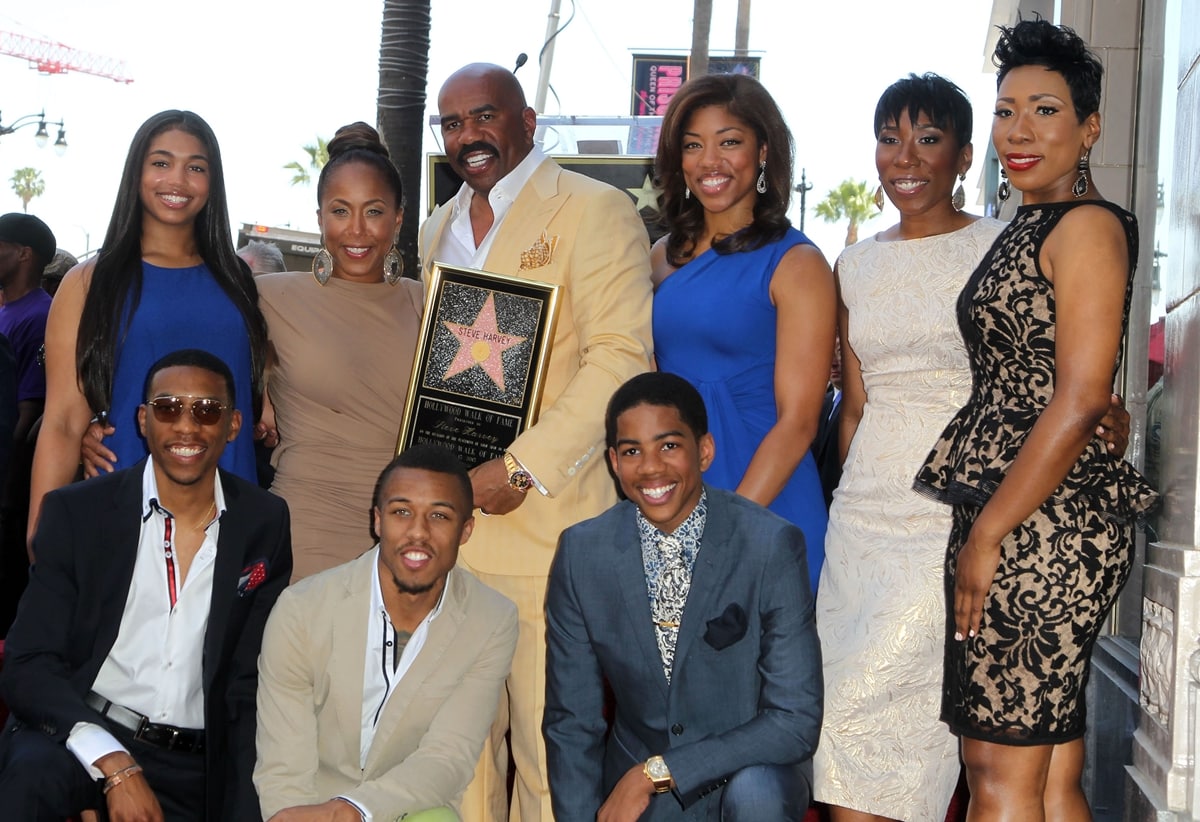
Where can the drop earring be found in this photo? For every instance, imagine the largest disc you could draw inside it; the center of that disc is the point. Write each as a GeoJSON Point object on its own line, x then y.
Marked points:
{"type": "Point", "coordinates": [879, 197]}
{"type": "Point", "coordinates": [1080, 186]}
{"type": "Point", "coordinates": [959, 199]}
{"type": "Point", "coordinates": [393, 266]}
{"type": "Point", "coordinates": [687, 193]}
{"type": "Point", "coordinates": [761, 185]}
{"type": "Point", "coordinates": [322, 266]}
{"type": "Point", "coordinates": [1004, 189]}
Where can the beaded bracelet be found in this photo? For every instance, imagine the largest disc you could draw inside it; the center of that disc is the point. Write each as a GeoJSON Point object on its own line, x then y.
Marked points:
{"type": "Point", "coordinates": [120, 776]}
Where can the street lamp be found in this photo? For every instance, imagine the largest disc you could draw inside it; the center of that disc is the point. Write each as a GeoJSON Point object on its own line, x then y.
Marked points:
{"type": "Point", "coordinates": [42, 136]}
{"type": "Point", "coordinates": [804, 186]}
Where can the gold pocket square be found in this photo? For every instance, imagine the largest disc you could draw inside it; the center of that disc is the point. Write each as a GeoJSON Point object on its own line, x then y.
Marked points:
{"type": "Point", "coordinates": [540, 253]}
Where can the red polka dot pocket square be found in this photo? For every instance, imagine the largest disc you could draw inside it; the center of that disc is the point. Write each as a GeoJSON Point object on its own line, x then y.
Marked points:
{"type": "Point", "coordinates": [253, 575]}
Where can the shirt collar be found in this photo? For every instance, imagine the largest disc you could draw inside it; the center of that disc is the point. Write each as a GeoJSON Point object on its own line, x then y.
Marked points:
{"type": "Point", "coordinates": [150, 502]}
{"type": "Point", "coordinates": [692, 526]}
{"type": "Point", "coordinates": [377, 591]}
{"type": "Point", "coordinates": [505, 191]}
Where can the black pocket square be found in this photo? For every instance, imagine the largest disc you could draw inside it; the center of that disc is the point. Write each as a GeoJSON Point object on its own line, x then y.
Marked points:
{"type": "Point", "coordinates": [726, 629]}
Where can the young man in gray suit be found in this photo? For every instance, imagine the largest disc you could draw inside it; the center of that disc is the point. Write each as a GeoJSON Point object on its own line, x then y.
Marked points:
{"type": "Point", "coordinates": [693, 603]}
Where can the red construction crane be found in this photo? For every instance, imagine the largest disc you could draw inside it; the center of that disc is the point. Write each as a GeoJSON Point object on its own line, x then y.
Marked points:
{"type": "Point", "coordinates": [55, 58]}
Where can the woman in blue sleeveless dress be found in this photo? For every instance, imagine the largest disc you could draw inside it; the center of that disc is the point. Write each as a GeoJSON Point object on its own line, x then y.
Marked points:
{"type": "Point", "coordinates": [745, 306]}
{"type": "Point", "coordinates": [167, 278]}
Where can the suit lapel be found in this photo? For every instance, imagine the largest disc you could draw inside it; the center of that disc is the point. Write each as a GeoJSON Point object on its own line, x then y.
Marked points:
{"type": "Point", "coordinates": [528, 217]}
{"type": "Point", "coordinates": [708, 575]}
{"type": "Point", "coordinates": [227, 567]}
{"type": "Point", "coordinates": [347, 656]}
{"type": "Point", "coordinates": [437, 642]}
{"type": "Point", "coordinates": [435, 231]}
{"type": "Point", "coordinates": [630, 577]}
{"type": "Point", "coordinates": [121, 533]}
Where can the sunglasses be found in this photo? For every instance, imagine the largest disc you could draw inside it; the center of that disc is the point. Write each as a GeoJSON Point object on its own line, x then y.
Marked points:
{"type": "Point", "coordinates": [204, 411]}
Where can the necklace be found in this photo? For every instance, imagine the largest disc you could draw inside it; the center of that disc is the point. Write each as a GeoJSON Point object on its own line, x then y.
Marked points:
{"type": "Point", "coordinates": [207, 519]}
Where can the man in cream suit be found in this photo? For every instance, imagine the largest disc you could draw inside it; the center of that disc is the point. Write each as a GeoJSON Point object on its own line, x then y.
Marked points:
{"type": "Point", "coordinates": [379, 678]}
{"type": "Point", "coordinates": [520, 214]}
{"type": "Point", "coordinates": [693, 604]}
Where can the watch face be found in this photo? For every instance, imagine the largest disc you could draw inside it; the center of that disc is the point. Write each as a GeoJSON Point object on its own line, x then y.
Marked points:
{"type": "Point", "coordinates": [657, 769]}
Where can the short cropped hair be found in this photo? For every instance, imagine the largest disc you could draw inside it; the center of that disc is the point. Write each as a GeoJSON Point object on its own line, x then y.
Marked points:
{"type": "Point", "coordinates": [192, 358]}
{"type": "Point", "coordinates": [1056, 48]}
{"type": "Point", "coordinates": [427, 457]}
{"type": "Point", "coordinates": [661, 389]}
{"type": "Point", "coordinates": [945, 104]}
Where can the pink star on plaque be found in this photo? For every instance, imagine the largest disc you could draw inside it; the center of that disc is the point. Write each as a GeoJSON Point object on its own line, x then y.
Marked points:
{"type": "Point", "coordinates": [481, 344]}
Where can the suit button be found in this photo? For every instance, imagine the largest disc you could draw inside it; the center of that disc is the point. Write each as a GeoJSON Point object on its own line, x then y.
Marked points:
{"type": "Point", "coordinates": [677, 729]}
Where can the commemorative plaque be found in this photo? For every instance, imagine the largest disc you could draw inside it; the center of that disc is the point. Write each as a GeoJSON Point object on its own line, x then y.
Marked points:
{"type": "Point", "coordinates": [481, 361]}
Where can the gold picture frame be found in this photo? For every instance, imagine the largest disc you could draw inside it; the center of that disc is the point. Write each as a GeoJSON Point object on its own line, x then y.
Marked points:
{"type": "Point", "coordinates": [481, 360]}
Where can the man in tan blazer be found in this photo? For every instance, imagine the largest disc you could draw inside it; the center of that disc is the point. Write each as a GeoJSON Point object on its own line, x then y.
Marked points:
{"type": "Point", "coordinates": [521, 214]}
{"type": "Point", "coordinates": [379, 678]}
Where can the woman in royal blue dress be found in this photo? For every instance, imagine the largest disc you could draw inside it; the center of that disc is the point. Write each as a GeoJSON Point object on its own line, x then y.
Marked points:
{"type": "Point", "coordinates": [166, 278]}
{"type": "Point", "coordinates": [745, 305]}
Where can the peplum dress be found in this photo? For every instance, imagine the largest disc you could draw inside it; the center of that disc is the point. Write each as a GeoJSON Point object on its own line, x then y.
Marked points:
{"type": "Point", "coordinates": [714, 325]}
{"type": "Point", "coordinates": [1021, 679]}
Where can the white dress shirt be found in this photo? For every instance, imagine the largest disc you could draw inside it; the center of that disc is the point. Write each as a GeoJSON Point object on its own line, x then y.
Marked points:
{"type": "Point", "coordinates": [457, 246]}
{"type": "Point", "coordinates": [155, 666]}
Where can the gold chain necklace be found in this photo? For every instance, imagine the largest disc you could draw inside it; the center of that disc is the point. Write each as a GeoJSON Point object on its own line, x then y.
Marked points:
{"type": "Point", "coordinates": [207, 519]}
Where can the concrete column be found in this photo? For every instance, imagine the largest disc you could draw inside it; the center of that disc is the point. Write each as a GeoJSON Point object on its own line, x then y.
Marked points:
{"type": "Point", "coordinates": [1163, 782]}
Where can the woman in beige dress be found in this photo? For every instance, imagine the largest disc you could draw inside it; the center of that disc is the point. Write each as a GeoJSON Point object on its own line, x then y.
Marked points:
{"type": "Point", "coordinates": [342, 339]}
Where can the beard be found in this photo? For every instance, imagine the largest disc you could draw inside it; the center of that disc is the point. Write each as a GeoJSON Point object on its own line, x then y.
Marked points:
{"type": "Point", "coordinates": [405, 588]}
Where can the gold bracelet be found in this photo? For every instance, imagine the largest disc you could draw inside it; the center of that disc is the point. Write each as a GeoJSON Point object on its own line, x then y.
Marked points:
{"type": "Point", "coordinates": [117, 777]}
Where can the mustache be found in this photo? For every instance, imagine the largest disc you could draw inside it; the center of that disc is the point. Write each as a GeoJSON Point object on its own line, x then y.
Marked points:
{"type": "Point", "coordinates": [473, 147]}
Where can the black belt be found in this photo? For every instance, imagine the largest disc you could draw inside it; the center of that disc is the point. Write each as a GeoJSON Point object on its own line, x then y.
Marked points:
{"type": "Point", "coordinates": [185, 740]}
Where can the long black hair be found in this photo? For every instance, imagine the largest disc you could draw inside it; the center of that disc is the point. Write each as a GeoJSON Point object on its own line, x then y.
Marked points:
{"type": "Point", "coordinates": [117, 277]}
{"type": "Point", "coordinates": [746, 99]}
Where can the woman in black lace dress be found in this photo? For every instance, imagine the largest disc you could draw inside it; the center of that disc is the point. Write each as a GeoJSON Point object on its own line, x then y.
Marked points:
{"type": "Point", "coordinates": [1042, 530]}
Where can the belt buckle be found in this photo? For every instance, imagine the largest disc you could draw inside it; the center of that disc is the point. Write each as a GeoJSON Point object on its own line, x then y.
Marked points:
{"type": "Point", "coordinates": [143, 725]}
{"type": "Point", "coordinates": [173, 740]}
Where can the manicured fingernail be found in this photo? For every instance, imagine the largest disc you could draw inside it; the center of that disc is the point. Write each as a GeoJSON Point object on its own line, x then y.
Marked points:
{"type": "Point", "coordinates": [971, 632]}
{"type": "Point", "coordinates": [958, 636]}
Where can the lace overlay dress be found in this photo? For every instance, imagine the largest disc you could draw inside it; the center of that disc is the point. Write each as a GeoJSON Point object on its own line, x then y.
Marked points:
{"type": "Point", "coordinates": [880, 605]}
{"type": "Point", "coordinates": [1021, 679]}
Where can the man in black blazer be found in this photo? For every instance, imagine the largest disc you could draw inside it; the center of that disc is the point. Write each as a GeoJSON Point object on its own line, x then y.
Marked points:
{"type": "Point", "coordinates": [694, 604]}
{"type": "Point", "coordinates": [131, 669]}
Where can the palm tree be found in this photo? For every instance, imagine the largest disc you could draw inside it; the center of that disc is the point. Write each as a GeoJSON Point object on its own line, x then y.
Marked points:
{"type": "Point", "coordinates": [852, 200]}
{"type": "Point", "coordinates": [701, 27]}
{"type": "Point", "coordinates": [28, 183]}
{"type": "Point", "coordinates": [403, 70]}
{"type": "Point", "coordinates": [318, 156]}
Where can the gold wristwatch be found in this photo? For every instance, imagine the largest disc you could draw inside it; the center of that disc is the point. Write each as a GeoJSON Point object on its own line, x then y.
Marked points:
{"type": "Point", "coordinates": [518, 478]}
{"type": "Point", "coordinates": [658, 773]}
